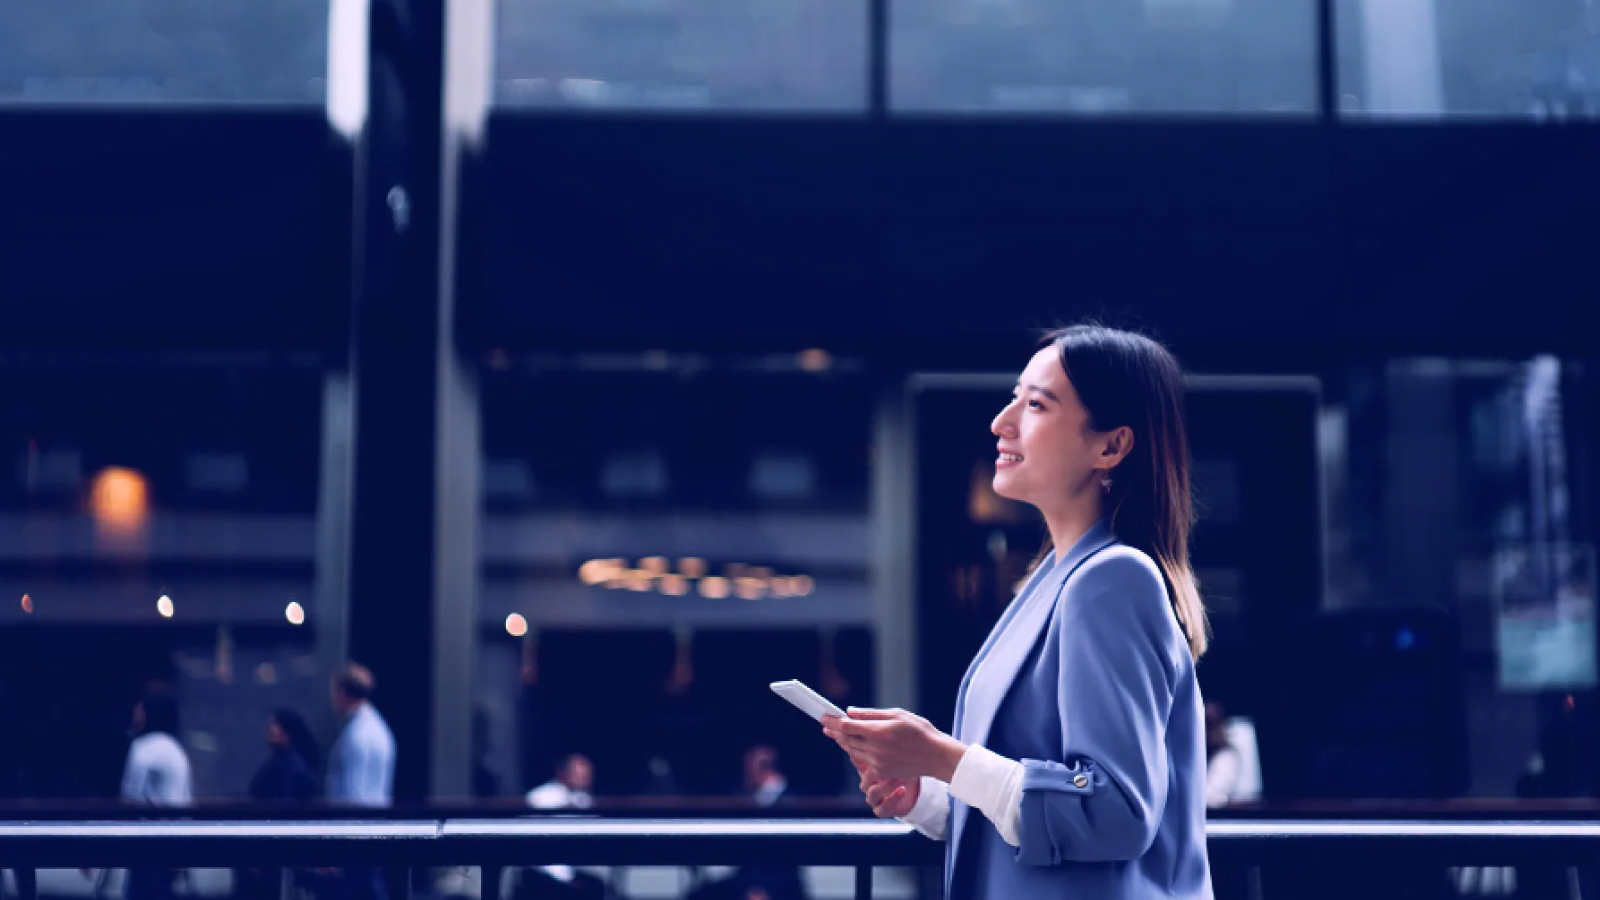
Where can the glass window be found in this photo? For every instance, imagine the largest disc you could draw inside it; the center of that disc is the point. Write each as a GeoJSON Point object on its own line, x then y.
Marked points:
{"type": "Point", "coordinates": [663, 537]}
{"type": "Point", "coordinates": [164, 50]}
{"type": "Point", "coordinates": [682, 54]}
{"type": "Point", "coordinates": [1117, 56]}
{"type": "Point", "coordinates": [1460, 530]}
{"type": "Point", "coordinates": [1470, 57]}
{"type": "Point", "coordinates": [1430, 631]}
{"type": "Point", "coordinates": [1254, 545]}
{"type": "Point", "coordinates": [157, 537]}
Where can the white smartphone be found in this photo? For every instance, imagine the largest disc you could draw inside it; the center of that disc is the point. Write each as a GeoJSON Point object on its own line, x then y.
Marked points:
{"type": "Point", "coordinates": [806, 700]}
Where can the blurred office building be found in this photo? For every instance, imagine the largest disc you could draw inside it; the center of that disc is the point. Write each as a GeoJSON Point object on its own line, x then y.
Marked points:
{"type": "Point", "coordinates": [581, 368]}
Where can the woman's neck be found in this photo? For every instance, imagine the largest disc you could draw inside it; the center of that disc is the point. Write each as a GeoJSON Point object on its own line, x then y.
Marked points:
{"type": "Point", "coordinates": [1071, 522]}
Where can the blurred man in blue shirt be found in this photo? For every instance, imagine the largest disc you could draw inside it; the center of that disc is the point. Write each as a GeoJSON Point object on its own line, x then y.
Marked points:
{"type": "Point", "coordinates": [360, 771]}
{"type": "Point", "coordinates": [361, 764]}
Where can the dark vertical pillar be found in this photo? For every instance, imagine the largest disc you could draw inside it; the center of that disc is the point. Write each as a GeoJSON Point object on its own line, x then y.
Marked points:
{"type": "Point", "coordinates": [1421, 502]}
{"type": "Point", "coordinates": [1327, 61]}
{"type": "Point", "coordinates": [329, 613]}
{"type": "Point", "coordinates": [414, 476]}
{"type": "Point", "coordinates": [878, 59]}
{"type": "Point", "coordinates": [894, 552]}
{"type": "Point", "coordinates": [468, 87]}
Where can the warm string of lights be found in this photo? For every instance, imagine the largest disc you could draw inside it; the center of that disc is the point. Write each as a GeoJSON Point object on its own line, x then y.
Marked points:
{"type": "Point", "coordinates": [657, 574]}
{"type": "Point", "coordinates": [294, 612]}
{"type": "Point", "coordinates": [653, 573]}
{"type": "Point", "coordinates": [691, 575]}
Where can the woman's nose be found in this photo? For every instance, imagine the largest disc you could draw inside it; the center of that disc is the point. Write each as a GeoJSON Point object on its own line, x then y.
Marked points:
{"type": "Point", "coordinates": [1001, 426]}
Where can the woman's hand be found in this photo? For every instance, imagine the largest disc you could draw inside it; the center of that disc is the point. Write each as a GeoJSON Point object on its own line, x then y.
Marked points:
{"type": "Point", "coordinates": [890, 798]}
{"type": "Point", "coordinates": [894, 744]}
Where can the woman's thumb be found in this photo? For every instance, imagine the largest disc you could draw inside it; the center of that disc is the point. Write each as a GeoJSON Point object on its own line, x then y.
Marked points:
{"type": "Point", "coordinates": [857, 712]}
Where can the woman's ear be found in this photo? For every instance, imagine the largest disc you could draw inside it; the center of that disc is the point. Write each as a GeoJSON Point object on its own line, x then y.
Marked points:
{"type": "Point", "coordinates": [1118, 444]}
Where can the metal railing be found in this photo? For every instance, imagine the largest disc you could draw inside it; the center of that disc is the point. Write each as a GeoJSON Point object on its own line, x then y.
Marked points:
{"type": "Point", "coordinates": [863, 844]}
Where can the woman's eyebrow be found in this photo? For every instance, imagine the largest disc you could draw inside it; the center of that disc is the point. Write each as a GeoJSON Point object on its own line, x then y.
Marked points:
{"type": "Point", "coordinates": [1044, 391]}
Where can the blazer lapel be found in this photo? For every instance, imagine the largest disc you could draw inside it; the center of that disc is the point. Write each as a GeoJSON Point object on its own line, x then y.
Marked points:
{"type": "Point", "coordinates": [1027, 624]}
{"type": "Point", "coordinates": [1042, 572]}
{"type": "Point", "coordinates": [972, 726]}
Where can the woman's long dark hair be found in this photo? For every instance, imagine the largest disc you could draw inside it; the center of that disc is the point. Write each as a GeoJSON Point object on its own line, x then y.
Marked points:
{"type": "Point", "coordinates": [301, 741]}
{"type": "Point", "coordinates": [1127, 379]}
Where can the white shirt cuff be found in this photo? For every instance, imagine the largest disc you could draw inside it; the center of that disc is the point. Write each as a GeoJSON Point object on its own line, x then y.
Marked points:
{"type": "Point", "coordinates": [992, 784]}
{"type": "Point", "coordinates": [931, 813]}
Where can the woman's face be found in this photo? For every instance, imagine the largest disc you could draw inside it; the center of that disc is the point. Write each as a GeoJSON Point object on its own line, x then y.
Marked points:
{"type": "Point", "coordinates": [276, 736]}
{"type": "Point", "coordinates": [1047, 452]}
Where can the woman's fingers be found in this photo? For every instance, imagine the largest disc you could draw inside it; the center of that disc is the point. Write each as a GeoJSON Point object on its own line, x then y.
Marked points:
{"type": "Point", "coordinates": [856, 748]}
{"type": "Point", "coordinates": [840, 735]}
{"type": "Point", "coordinates": [886, 808]}
{"type": "Point", "coordinates": [883, 795]}
{"type": "Point", "coordinates": [865, 769]}
{"type": "Point", "coordinates": [844, 730]}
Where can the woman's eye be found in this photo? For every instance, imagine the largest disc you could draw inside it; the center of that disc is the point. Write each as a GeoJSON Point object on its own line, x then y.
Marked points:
{"type": "Point", "coordinates": [1034, 404]}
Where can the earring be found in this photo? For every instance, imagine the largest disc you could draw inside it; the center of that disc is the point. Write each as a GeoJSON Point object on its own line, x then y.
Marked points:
{"type": "Point", "coordinates": [1105, 483]}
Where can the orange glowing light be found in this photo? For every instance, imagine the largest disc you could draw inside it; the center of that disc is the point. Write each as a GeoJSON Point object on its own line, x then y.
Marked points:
{"type": "Point", "coordinates": [815, 360]}
{"type": "Point", "coordinates": [27, 604]}
{"type": "Point", "coordinates": [120, 498]}
{"type": "Point", "coordinates": [715, 588]}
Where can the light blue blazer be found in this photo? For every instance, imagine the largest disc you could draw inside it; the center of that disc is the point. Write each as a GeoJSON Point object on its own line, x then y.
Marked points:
{"type": "Point", "coordinates": [1106, 717]}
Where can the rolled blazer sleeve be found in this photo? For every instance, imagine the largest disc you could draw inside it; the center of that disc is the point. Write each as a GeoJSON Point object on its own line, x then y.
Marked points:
{"type": "Point", "coordinates": [1103, 799]}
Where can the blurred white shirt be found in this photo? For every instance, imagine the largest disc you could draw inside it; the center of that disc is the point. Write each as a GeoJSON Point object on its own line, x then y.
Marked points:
{"type": "Point", "coordinates": [555, 795]}
{"type": "Point", "coordinates": [157, 772]}
{"type": "Point", "coordinates": [1225, 775]}
{"type": "Point", "coordinates": [771, 790]}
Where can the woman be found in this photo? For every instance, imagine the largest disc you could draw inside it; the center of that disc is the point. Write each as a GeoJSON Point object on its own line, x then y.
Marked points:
{"type": "Point", "coordinates": [157, 774]}
{"type": "Point", "coordinates": [157, 769]}
{"type": "Point", "coordinates": [1079, 731]}
{"type": "Point", "coordinates": [288, 774]}
{"type": "Point", "coordinates": [290, 769]}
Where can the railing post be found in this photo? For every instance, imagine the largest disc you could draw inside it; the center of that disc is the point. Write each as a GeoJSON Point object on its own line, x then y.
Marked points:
{"type": "Point", "coordinates": [863, 882]}
{"type": "Point", "coordinates": [489, 878]}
